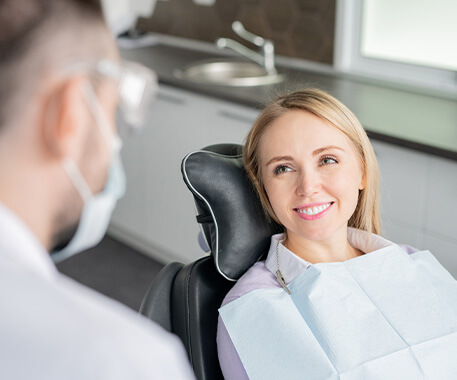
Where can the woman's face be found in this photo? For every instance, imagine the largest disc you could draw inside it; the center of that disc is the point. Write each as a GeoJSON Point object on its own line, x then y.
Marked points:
{"type": "Point", "coordinates": [312, 175]}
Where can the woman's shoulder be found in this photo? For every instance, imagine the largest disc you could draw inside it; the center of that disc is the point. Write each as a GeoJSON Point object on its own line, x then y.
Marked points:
{"type": "Point", "coordinates": [257, 277]}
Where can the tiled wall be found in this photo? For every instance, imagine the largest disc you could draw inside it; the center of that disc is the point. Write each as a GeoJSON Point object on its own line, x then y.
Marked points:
{"type": "Point", "coordinates": [299, 28]}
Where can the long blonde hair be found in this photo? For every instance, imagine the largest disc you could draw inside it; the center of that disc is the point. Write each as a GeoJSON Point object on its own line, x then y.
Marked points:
{"type": "Point", "coordinates": [321, 104]}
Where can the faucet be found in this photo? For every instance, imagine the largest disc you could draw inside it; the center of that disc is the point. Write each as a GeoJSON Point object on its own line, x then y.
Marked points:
{"type": "Point", "coordinates": [266, 59]}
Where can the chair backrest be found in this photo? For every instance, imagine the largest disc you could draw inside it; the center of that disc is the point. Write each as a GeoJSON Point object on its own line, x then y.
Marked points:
{"type": "Point", "coordinates": [236, 228]}
{"type": "Point", "coordinates": [185, 299]}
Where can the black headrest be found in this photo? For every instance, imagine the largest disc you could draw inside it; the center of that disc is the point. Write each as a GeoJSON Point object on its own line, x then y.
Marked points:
{"type": "Point", "coordinates": [234, 224]}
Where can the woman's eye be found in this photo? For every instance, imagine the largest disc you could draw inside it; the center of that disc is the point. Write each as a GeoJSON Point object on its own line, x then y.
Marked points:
{"type": "Point", "coordinates": [328, 161]}
{"type": "Point", "coordinates": [282, 169]}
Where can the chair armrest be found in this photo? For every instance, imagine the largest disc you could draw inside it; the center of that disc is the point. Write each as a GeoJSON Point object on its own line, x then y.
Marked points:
{"type": "Point", "coordinates": [156, 303]}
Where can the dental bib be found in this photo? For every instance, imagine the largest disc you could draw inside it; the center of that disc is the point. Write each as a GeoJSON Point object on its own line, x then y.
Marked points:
{"type": "Point", "coordinates": [383, 315]}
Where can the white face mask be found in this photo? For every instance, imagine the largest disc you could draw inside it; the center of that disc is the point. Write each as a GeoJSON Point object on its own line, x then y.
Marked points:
{"type": "Point", "coordinates": [97, 208]}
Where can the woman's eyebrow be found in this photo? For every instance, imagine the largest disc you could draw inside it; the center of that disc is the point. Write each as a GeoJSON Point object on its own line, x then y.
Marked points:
{"type": "Point", "coordinates": [323, 149]}
{"type": "Point", "coordinates": [279, 158]}
{"type": "Point", "coordinates": [315, 153]}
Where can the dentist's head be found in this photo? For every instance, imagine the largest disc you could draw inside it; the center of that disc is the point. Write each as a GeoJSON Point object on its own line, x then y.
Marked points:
{"type": "Point", "coordinates": [60, 91]}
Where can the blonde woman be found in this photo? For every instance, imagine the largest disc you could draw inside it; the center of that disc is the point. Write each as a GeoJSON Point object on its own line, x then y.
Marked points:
{"type": "Point", "coordinates": [333, 299]}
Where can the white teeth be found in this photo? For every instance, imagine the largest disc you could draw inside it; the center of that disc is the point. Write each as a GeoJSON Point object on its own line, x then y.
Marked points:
{"type": "Point", "coordinates": [313, 210]}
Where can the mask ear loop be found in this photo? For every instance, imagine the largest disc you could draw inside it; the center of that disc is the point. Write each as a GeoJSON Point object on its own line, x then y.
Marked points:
{"type": "Point", "coordinates": [100, 117]}
{"type": "Point", "coordinates": [112, 140]}
{"type": "Point", "coordinates": [76, 177]}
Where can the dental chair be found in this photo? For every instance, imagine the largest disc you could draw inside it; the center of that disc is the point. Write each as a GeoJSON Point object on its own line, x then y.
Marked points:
{"type": "Point", "coordinates": [184, 299]}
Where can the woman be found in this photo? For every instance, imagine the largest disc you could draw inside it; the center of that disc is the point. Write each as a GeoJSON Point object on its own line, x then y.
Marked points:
{"type": "Point", "coordinates": [316, 307]}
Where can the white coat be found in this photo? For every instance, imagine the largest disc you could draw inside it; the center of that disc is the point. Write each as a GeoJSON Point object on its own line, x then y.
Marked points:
{"type": "Point", "coordinates": [54, 328]}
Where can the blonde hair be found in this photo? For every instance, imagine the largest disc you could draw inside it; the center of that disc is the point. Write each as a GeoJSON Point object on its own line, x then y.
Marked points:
{"type": "Point", "coordinates": [321, 104]}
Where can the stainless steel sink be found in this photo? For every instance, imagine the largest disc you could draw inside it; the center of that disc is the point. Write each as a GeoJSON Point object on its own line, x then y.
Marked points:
{"type": "Point", "coordinates": [228, 73]}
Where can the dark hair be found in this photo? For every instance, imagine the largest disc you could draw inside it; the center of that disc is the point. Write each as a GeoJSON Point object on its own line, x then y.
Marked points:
{"type": "Point", "coordinates": [30, 32]}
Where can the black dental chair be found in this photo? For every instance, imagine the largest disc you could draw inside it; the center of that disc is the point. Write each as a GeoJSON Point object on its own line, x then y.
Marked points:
{"type": "Point", "coordinates": [184, 299]}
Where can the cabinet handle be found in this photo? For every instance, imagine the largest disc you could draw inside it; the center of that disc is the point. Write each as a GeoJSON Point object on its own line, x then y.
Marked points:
{"type": "Point", "coordinates": [171, 99]}
{"type": "Point", "coordinates": [235, 116]}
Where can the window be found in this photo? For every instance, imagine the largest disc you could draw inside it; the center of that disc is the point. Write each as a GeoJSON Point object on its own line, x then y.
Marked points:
{"type": "Point", "coordinates": [405, 41]}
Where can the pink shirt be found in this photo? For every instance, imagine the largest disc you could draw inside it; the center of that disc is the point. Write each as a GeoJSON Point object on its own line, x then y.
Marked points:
{"type": "Point", "coordinates": [261, 276]}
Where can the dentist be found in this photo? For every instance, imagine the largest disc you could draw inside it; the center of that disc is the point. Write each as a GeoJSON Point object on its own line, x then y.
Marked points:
{"type": "Point", "coordinates": [61, 84]}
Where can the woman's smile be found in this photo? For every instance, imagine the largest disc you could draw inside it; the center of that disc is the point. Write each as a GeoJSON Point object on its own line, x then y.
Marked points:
{"type": "Point", "coordinates": [314, 211]}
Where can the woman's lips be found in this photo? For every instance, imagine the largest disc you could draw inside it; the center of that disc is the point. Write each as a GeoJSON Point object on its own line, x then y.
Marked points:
{"type": "Point", "coordinates": [314, 211]}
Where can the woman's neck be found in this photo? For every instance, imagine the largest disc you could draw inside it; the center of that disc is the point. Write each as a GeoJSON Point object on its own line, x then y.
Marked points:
{"type": "Point", "coordinates": [334, 249]}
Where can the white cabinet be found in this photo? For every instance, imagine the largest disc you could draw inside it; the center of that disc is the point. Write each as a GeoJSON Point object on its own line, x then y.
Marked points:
{"type": "Point", "coordinates": [441, 222]}
{"type": "Point", "coordinates": [442, 198]}
{"type": "Point", "coordinates": [157, 213]}
{"type": "Point", "coordinates": [403, 190]}
{"type": "Point", "coordinates": [418, 201]}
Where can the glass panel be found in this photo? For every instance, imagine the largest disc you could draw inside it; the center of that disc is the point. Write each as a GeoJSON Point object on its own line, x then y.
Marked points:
{"type": "Point", "coordinates": [410, 31]}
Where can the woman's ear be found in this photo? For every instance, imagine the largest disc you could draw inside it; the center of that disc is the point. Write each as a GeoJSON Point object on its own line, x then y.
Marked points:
{"type": "Point", "coordinates": [363, 183]}
{"type": "Point", "coordinates": [363, 180]}
{"type": "Point", "coordinates": [63, 115]}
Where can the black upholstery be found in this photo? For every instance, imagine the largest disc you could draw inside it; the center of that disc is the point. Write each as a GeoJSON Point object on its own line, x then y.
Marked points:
{"type": "Point", "coordinates": [185, 299]}
{"type": "Point", "coordinates": [234, 223]}
{"type": "Point", "coordinates": [157, 304]}
{"type": "Point", "coordinates": [198, 292]}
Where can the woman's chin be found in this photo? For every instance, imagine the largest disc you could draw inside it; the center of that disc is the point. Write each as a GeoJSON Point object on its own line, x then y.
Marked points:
{"type": "Point", "coordinates": [318, 234]}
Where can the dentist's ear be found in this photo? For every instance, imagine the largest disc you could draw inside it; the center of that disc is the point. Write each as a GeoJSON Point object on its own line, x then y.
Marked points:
{"type": "Point", "coordinates": [64, 115]}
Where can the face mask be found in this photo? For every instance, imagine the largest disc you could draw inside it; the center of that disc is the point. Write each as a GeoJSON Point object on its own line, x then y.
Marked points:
{"type": "Point", "coordinates": [97, 208]}
{"type": "Point", "coordinates": [96, 212]}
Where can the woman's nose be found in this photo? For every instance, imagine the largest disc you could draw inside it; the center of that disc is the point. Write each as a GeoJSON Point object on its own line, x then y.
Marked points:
{"type": "Point", "coordinates": [309, 183]}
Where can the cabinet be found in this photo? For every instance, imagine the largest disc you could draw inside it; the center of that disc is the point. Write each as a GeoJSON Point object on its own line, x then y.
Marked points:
{"type": "Point", "coordinates": [418, 206]}
{"type": "Point", "coordinates": [157, 214]}
{"type": "Point", "coordinates": [440, 228]}
{"type": "Point", "coordinates": [403, 184]}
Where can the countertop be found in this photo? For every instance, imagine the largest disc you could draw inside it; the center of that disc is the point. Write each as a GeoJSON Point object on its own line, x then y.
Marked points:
{"type": "Point", "coordinates": [415, 120]}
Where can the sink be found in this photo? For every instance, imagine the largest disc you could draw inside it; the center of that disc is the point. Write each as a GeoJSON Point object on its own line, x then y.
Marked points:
{"type": "Point", "coordinates": [228, 73]}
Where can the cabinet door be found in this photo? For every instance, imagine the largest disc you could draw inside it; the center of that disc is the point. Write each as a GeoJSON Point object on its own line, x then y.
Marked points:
{"type": "Point", "coordinates": [157, 213]}
{"type": "Point", "coordinates": [418, 205]}
{"type": "Point", "coordinates": [150, 215]}
{"type": "Point", "coordinates": [403, 188]}
{"type": "Point", "coordinates": [441, 201]}
{"type": "Point", "coordinates": [441, 223]}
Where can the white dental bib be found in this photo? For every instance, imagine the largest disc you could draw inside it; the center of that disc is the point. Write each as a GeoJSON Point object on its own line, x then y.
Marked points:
{"type": "Point", "coordinates": [383, 315]}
